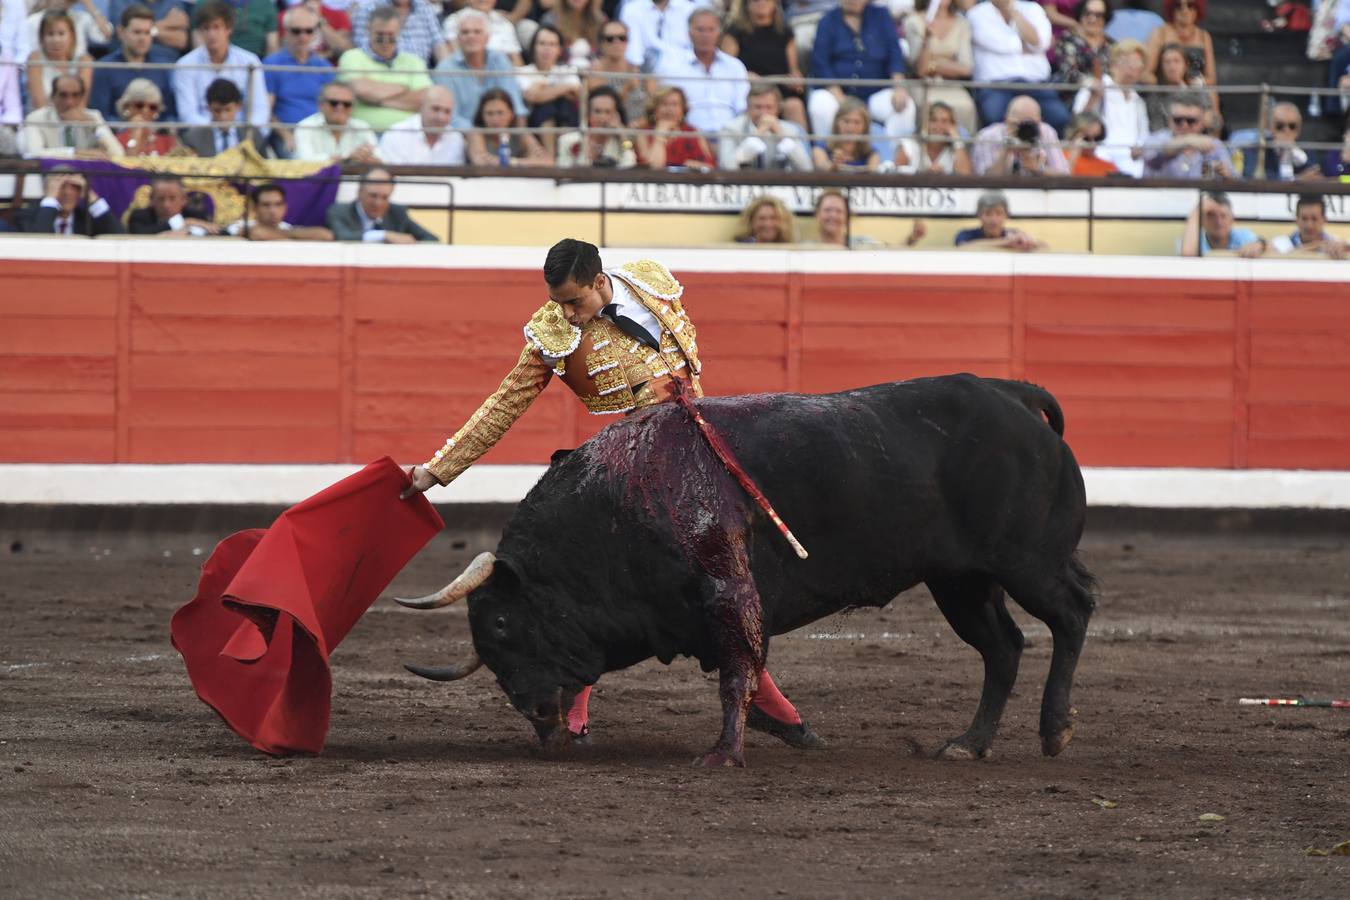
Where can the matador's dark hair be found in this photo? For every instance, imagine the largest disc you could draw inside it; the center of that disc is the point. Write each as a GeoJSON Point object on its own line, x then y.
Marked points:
{"type": "Point", "coordinates": [571, 260]}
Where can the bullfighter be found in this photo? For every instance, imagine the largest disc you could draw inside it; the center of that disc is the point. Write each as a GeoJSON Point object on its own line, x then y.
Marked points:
{"type": "Point", "coordinates": [619, 338]}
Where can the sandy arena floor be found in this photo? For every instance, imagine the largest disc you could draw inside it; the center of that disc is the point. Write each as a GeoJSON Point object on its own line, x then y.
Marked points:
{"type": "Point", "coordinates": [116, 781]}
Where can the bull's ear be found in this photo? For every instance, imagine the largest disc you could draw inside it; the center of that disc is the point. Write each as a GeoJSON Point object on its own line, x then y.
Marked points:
{"type": "Point", "coordinates": [506, 576]}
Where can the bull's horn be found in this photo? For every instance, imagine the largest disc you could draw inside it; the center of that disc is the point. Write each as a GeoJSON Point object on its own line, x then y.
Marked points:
{"type": "Point", "coordinates": [452, 672]}
{"type": "Point", "coordinates": [478, 572]}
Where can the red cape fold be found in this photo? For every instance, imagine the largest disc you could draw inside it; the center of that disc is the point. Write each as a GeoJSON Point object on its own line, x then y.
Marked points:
{"type": "Point", "coordinates": [274, 603]}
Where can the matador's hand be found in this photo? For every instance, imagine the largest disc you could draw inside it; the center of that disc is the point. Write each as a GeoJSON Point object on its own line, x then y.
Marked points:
{"type": "Point", "coordinates": [421, 481]}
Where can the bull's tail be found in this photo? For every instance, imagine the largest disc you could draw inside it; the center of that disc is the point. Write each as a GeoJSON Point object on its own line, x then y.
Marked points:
{"type": "Point", "coordinates": [1037, 399]}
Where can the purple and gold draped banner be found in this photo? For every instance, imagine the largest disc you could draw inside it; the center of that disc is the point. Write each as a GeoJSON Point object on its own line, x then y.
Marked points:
{"type": "Point", "coordinates": [218, 186]}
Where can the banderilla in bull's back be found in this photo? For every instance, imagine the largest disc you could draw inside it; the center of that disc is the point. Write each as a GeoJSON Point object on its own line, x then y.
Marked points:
{"type": "Point", "coordinates": [961, 483]}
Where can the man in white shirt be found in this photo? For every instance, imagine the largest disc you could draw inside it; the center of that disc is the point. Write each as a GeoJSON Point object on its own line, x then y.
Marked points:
{"type": "Point", "coordinates": [218, 58]}
{"type": "Point", "coordinates": [425, 139]}
{"type": "Point", "coordinates": [715, 83]}
{"type": "Point", "coordinates": [1010, 39]}
{"type": "Point", "coordinates": [332, 133]}
{"type": "Point", "coordinates": [654, 27]}
{"type": "Point", "coordinates": [759, 139]}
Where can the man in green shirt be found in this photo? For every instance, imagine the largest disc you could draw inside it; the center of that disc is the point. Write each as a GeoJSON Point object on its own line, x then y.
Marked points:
{"type": "Point", "coordinates": [388, 84]}
{"type": "Point", "coordinates": [255, 26]}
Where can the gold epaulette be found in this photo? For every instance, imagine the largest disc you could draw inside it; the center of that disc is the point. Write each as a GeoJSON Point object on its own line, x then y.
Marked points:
{"type": "Point", "coordinates": [654, 278]}
{"type": "Point", "coordinates": [550, 333]}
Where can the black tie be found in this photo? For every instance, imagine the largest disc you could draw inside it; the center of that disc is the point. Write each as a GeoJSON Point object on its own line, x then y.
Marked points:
{"type": "Point", "coordinates": [629, 327]}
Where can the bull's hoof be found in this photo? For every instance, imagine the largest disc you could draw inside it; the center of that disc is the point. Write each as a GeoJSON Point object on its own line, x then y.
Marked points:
{"type": "Point", "coordinates": [799, 736]}
{"type": "Point", "coordinates": [720, 759]}
{"type": "Point", "coordinates": [956, 750]}
{"type": "Point", "coordinates": [1054, 744]}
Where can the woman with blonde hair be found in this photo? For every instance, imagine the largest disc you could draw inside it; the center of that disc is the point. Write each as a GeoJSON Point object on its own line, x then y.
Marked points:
{"type": "Point", "coordinates": [57, 54]}
{"type": "Point", "coordinates": [848, 148]}
{"type": "Point", "coordinates": [766, 220]}
{"type": "Point", "coordinates": [140, 106]}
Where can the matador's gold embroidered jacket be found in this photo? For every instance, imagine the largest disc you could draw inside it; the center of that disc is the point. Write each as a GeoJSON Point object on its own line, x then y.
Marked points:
{"type": "Point", "coordinates": [610, 371]}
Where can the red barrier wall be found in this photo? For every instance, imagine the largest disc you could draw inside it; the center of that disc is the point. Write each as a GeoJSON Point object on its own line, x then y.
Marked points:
{"type": "Point", "coordinates": [157, 362]}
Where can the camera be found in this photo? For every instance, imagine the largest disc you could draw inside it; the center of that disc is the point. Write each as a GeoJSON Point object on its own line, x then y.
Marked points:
{"type": "Point", "coordinates": [1029, 132]}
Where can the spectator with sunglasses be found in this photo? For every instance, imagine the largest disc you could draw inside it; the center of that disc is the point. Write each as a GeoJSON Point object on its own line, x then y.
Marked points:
{"type": "Point", "coordinates": [1183, 150]}
{"type": "Point", "coordinates": [333, 133]}
{"type": "Point", "coordinates": [141, 106]}
{"type": "Point", "coordinates": [1087, 131]}
{"type": "Point", "coordinates": [611, 65]}
{"type": "Point", "coordinates": [295, 95]}
{"type": "Point", "coordinates": [389, 82]}
{"type": "Point", "coordinates": [334, 36]}
{"type": "Point", "coordinates": [1284, 159]}
{"type": "Point", "coordinates": [66, 127]}
{"type": "Point", "coordinates": [135, 34]}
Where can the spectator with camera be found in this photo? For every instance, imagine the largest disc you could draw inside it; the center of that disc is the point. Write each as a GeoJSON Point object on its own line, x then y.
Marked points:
{"type": "Point", "coordinates": [1183, 150]}
{"type": "Point", "coordinates": [606, 144]}
{"type": "Point", "coordinates": [1011, 39]}
{"type": "Point", "coordinates": [1019, 145]}
{"type": "Point", "coordinates": [69, 206]}
{"type": "Point", "coordinates": [760, 139]}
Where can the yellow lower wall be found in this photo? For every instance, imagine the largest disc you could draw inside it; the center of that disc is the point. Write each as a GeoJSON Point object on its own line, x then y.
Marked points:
{"type": "Point", "coordinates": [1126, 237]}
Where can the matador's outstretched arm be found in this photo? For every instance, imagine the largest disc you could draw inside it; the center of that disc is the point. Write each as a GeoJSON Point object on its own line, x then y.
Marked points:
{"type": "Point", "coordinates": [492, 420]}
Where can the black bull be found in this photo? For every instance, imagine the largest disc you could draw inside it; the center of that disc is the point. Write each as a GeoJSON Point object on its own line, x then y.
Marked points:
{"type": "Point", "coordinates": [641, 544]}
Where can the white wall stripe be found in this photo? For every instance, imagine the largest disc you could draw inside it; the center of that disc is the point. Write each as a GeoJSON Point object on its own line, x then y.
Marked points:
{"type": "Point", "coordinates": [720, 260]}
{"type": "Point", "coordinates": [115, 485]}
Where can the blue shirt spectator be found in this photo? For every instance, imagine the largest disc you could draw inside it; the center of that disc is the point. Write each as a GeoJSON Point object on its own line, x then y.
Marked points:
{"type": "Point", "coordinates": [295, 95]}
{"type": "Point", "coordinates": [136, 47]}
{"type": "Point", "coordinates": [468, 86]}
{"type": "Point", "coordinates": [1238, 238]}
{"type": "Point", "coordinates": [841, 55]}
{"type": "Point", "coordinates": [1132, 24]}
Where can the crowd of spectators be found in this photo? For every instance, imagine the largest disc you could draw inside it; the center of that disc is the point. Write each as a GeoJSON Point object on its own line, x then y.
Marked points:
{"type": "Point", "coordinates": [896, 61]}
{"type": "Point", "coordinates": [1088, 87]}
